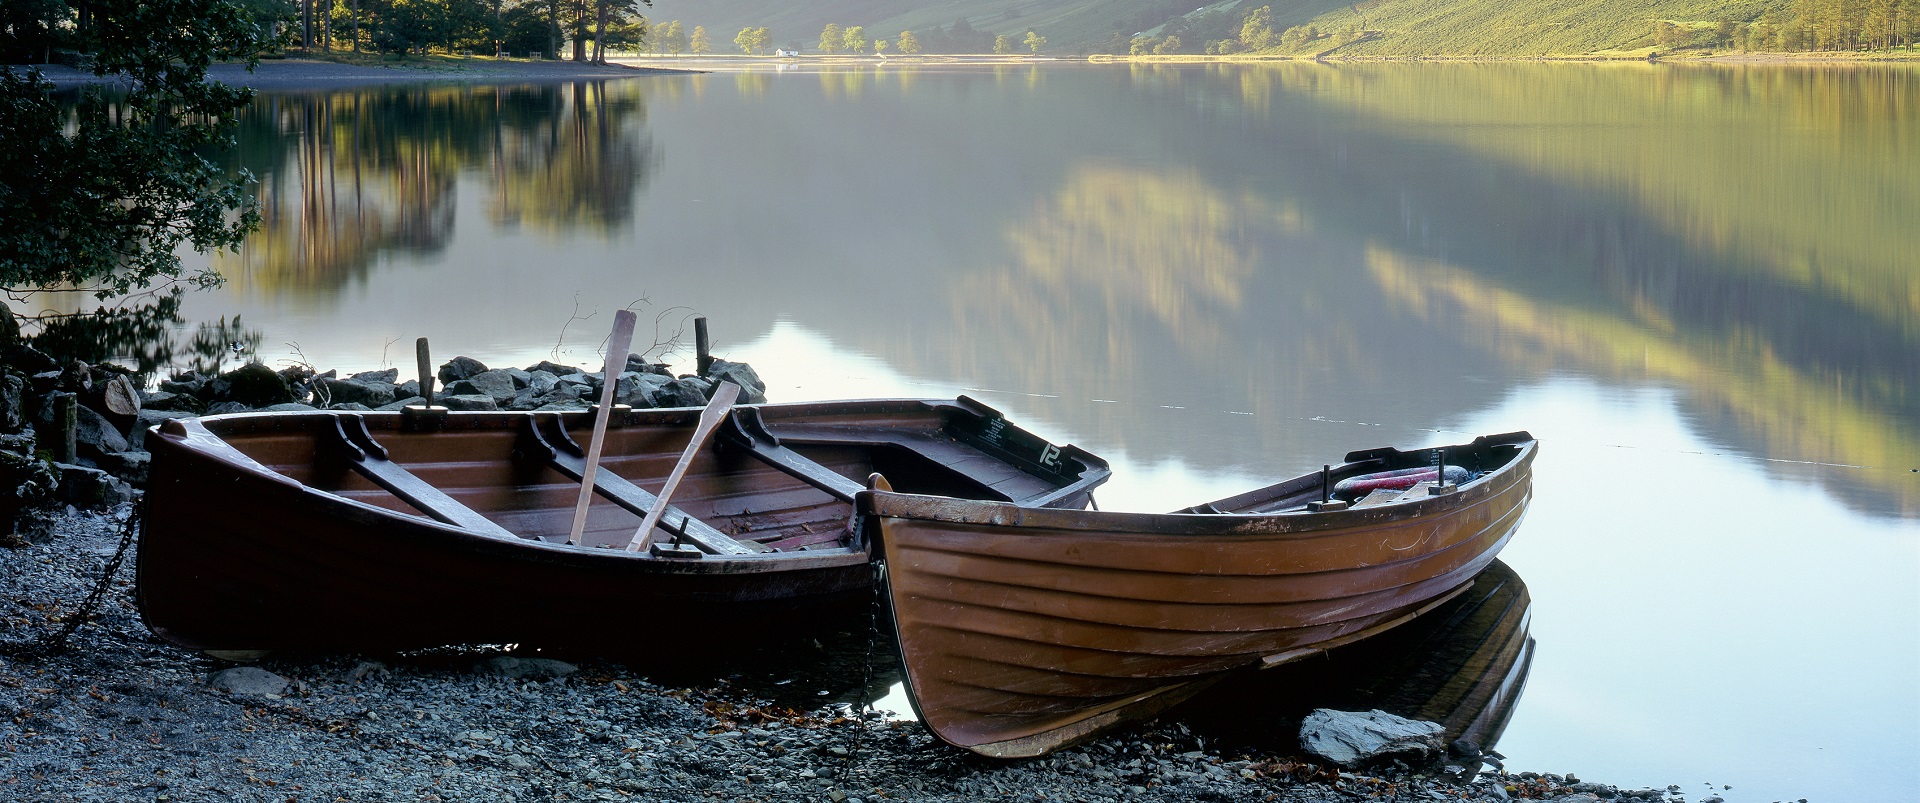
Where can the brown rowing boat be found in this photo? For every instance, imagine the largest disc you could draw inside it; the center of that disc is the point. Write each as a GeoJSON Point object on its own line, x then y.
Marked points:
{"type": "Point", "coordinates": [390, 531]}
{"type": "Point", "coordinates": [1022, 631]}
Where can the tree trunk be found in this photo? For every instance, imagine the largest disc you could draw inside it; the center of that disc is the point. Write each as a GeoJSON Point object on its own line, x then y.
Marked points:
{"type": "Point", "coordinates": [580, 30]}
{"type": "Point", "coordinates": [356, 26]}
{"type": "Point", "coordinates": [553, 28]}
{"type": "Point", "coordinates": [600, 32]}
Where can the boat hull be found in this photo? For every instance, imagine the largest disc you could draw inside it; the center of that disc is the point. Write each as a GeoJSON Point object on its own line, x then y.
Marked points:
{"type": "Point", "coordinates": [253, 539]}
{"type": "Point", "coordinates": [1022, 631]}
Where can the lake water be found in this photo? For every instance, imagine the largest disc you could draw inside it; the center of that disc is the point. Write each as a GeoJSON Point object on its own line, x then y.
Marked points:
{"type": "Point", "coordinates": [1698, 286]}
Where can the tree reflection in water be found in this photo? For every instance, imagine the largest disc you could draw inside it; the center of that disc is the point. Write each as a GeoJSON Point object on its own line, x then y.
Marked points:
{"type": "Point", "coordinates": [349, 177]}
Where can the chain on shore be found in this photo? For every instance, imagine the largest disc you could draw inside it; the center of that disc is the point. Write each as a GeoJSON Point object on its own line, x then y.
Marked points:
{"type": "Point", "coordinates": [56, 643]}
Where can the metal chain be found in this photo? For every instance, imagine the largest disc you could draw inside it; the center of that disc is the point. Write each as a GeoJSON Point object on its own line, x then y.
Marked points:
{"type": "Point", "coordinates": [878, 573]}
{"type": "Point", "coordinates": [56, 643]}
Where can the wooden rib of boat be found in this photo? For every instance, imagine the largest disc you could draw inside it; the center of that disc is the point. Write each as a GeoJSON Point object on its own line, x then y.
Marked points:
{"type": "Point", "coordinates": [1022, 631]}
{"type": "Point", "coordinates": [390, 531]}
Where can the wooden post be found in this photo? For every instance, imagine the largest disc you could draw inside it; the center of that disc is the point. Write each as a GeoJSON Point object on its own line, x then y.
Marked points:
{"type": "Point", "coordinates": [425, 361]}
{"type": "Point", "coordinates": [66, 418]}
{"type": "Point", "coordinates": [701, 346]}
{"type": "Point", "coordinates": [617, 346]}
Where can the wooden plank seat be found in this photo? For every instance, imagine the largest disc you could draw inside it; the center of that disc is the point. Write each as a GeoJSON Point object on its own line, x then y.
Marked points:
{"type": "Point", "coordinates": [347, 438]}
{"type": "Point", "coordinates": [545, 439]}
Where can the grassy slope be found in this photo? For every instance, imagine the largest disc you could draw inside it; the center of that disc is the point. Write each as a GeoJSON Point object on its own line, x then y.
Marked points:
{"type": "Point", "coordinates": [1409, 27]}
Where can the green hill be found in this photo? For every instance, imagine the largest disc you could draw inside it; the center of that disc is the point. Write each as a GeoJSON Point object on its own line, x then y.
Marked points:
{"type": "Point", "coordinates": [1393, 27]}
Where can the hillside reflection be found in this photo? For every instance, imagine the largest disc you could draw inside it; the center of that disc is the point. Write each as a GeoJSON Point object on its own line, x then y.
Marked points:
{"type": "Point", "coordinates": [1404, 234]}
{"type": "Point", "coordinates": [348, 178]}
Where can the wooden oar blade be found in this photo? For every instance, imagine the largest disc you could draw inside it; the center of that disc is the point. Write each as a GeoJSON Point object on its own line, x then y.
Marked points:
{"type": "Point", "coordinates": [618, 345]}
{"type": "Point", "coordinates": [710, 418]}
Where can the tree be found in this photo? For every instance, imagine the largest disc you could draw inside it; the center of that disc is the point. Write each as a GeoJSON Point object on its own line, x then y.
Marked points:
{"type": "Point", "coordinates": [854, 39]}
{"type": "Point", "coordinates": [879, 47]}
{"type": "Point", "coordinates": [1668, 35]}
{"type": "Point", "coordinates": [1167, 46]}
{"type": "Point", "coordinates": [1141, 45]}
{"type": "Point", "coordinates": [698, 43]}
{"type": "Point", "coordinates": [830, 38]}
{"type": "Point", "coordinates": [745, 41]}
{"type": "Point", "coordinates": [674, 38]}
{"type": "Point", "coordinates": [104, 197]}
{"type": "Point", "coordinates": [1256, 31]}
{"type": "Point", "coordinates": [1003, 44]}
{"type": "Point", "coordinates": [909, 44]}
{"type": "Point", "coordinates": [1034, 41]}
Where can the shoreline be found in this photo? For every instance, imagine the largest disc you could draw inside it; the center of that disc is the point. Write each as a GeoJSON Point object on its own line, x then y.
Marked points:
{"type": "Point", "coordinates": [125, 716]}
{"type": "Point", "coordinates": [298, 73]}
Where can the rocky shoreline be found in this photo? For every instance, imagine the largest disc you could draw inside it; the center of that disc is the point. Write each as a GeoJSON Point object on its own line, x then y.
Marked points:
{"type": "Point", "coordinates": [115, 713]}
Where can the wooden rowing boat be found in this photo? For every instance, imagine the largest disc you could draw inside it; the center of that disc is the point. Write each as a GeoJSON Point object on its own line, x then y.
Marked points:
{"type": "Point", "coordinates": [390, 531]}
{"type": "Point", "coordinates": [1021, 631]}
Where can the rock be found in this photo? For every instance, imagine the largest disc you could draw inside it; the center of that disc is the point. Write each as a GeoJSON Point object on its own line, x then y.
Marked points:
{"type": "Point", "coordinates": [27, 359]}
{"type": "Point", "coordinates": [497, 385]}
{"type": "Point", "coordinates": [178, 402]}
{"type": "Point", "coordinates": [119, 396]}
{"type": "Point", "coordinates": [562, 406]}
{"type": "Point", "coordinates": [253, 385]}
{"type": "Point", "coordinates": [471, 401]}
{"type": "Point", "coordinates": [639, 365]}
{"type": "Point", "coordinates": [93, 432]}
{"type": "Point", "coordinates": [542, 381]}
{"type": "Point", "coordinates": [188, 383]}
{"type": "Point", "coordinates": [388, 376]}
{"type": "Point", "coordinates": [290, 407]}
{"type": "Point", "coordinates": [352, 391]}
{"type": "Point", "coordinates": [226, 407]}
{"type": "Point", "coordinates": [639, 390]}
{"type": "Point", "coordinates": [83, 486]}
{"type": "Point", "coordinates": [13, 401]}
{"type": "Point", "coordinates": [681, 393]}
{"type": "Point", "coordinates": [399, 404]}
{"type": "Point", "coordinates": [460, 368]}
{"type": "Point", "coordinates": [248, 680]}
{"type": "Point", "coordinates": [508, 666]}
{"type": "Point", "coordinates": [25, 482]}
{"type": "Point", "coordinates": [407, 389]}
{"type": "Point", "coordinates": [1580, 797]}
{"type": "Point", "coordinates": [1352, 740]}
{"type": "Point", "coordinates": [350, 407]}
{"type": "Point", "coordinates": [130, 466]}
{"type": "Point", "coordinates": [752, 389]}
{"type": "Point", "coordinates": [520, 378]}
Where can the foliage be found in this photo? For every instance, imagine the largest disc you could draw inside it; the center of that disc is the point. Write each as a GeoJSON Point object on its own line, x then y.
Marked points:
{"type": "Point", "coordinates": [830, 38]}
{"type": "Point", "coordinates": [753, 40]}
{"type": "Point", "coordinates": [698, 43]}
{"type": "Point", "coordinates": [854, 39]}
{"type": "Point", "coordinates": [104, 196]}
{"type": "Point", "coordinates": [909, 44]}
{"type": "Point", "coordinates": [1034, 41]}
{"type": "Point", "coordinates": [1003, 44]}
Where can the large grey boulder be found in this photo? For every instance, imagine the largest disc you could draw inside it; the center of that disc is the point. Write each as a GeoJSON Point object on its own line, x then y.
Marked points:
{"type": "Point", "coordinates": [470, 401]}
{"type": "Point", "coordinates": [497, 385]}
{"type": "Point", "coordinates": [1352, 740]}
{"type": "Point", "coordinates": [94, 434]}
{"type": "Point", "coordinates": [460, 368]}
{"type": "Point", "coordinates": [387, 375]}
{"type": "Point", "coordinates": [179, 402]}
{"type": "Point", "coordinates": [250, 680]}
{"type": "Point", "coordinates": [683, 393]}
{"type": "Point", "coordinates": [90, 487]}
{"type": "Point", "coordinates": [253, 384]}
{"type": "Point", "coordinates": [639, 390]}
{"type": "Point", "coordinates": [752, 390]}
{"type": "Point", "coordinates": [352, 391]}
{"type": "Point", "coordinates": [13, 399]}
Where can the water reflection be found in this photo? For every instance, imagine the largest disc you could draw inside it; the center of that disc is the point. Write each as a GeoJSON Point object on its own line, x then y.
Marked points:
{"type": "Point", "coordinates": [1462, 665]}
{"type": "Point", "coordinates": [348, 179]}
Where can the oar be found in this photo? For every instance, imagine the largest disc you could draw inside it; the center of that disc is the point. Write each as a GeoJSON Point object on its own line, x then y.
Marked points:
{"type": "Point", "coordinates": [710, 419]}
{"type": "Point", "coordinates": [610, 376]}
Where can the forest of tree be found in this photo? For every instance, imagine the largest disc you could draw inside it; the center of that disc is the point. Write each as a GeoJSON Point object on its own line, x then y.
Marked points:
{"type": "Point", "coordinates": [583, 30]}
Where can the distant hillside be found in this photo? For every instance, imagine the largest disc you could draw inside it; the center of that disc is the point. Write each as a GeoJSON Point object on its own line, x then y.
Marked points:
{"type": "Point", "coordinates": [1393, 27]}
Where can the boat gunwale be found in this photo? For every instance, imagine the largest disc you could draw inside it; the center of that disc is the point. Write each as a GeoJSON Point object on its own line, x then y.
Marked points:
{"type": "Point", "coordinates": [1118, 524]}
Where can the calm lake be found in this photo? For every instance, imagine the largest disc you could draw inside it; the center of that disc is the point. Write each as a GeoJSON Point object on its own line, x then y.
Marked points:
{"type": "Point", "coordinates": [1698, 286]}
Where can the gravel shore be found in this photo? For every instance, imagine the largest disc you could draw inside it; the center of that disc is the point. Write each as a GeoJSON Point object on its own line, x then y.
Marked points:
{"type": "Point", "coordinates": [124, 716]}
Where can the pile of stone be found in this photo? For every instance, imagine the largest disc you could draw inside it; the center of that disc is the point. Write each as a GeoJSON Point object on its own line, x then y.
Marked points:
{"type": "Point", "coordinates": [111, 412]}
